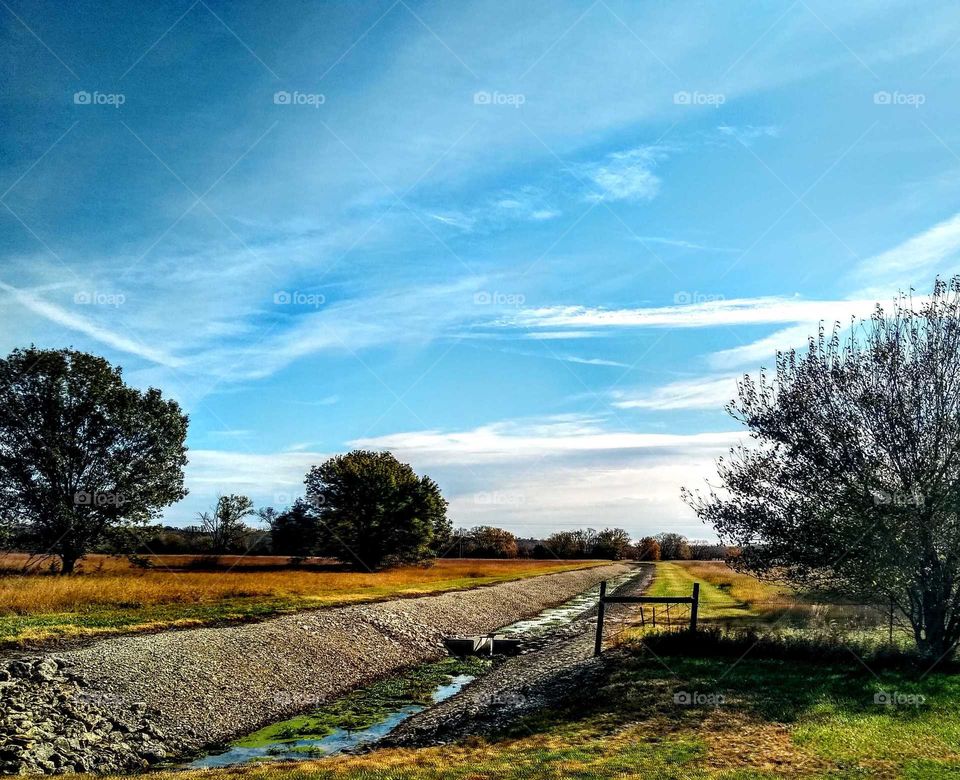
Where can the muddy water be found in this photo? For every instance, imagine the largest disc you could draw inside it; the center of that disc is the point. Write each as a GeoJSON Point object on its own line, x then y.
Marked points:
{"type": "Point", "coordinates": [340, 740]}
{"type": "Point", "coordinates": [336, 742]}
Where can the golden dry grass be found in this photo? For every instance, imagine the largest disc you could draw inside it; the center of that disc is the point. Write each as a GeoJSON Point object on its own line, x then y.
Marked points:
{"type": "Point", "coordinates": [746, 589]}
{"type": "Point", "coordinates": [109, 594]}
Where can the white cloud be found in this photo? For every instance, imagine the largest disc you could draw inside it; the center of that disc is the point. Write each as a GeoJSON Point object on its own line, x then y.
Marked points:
{"type": "Point", "coordinates": [512, 441]}
{"type": "Point", "coordinates": [763, 351]}
{"type": "Point", "coordinates": [711, 313]}
{"type": "Point", "coordinates": [455, 219]}
{"type": "Point", "coordinates": [75, 322]}
{"type": "Point", "coordinates": [684, 244]}
{"type": "Point", "coordinates": [700, 393]}
{"type": "Point", "coordinates": [746, 134]}
{"type": "Point", "coordinates": [593, 361]}
{"type": "Point", "coordinates": [526, 204]}
{"type": "Point", "coordinates": [270, 479]}
{"type": "Point", "coordinates": [626, 175]}
{"type": "Point", "coordinates": [556, 335]}
{"type": "Point", "coordinates": [920, 254]}
{"type": "Point", "coordinates": [535, 476]}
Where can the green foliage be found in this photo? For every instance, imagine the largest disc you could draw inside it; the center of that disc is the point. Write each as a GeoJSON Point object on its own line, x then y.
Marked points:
{"type": "Point", "coordinates": [374, 511]}
{"type": "Point", "coordinates": [296, 532]}
{"type": "Point", "coordinates": [485, 541]}
{"type": "Point", "coordinates": [853, 484]}
{"type": "Point", "coordinates": [612, 543]}
{"type": "Point", "coordinates": [81, 452]}
{"type": "Point", "coordinates": [673, 547]}
{"type": "Point", "coordinates": [224, 526]}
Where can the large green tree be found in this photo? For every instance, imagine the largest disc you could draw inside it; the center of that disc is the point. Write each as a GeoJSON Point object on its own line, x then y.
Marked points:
{"type": "Point", "coordinates": [374, 510]}
{"type": "Point", "coordinates": [853, 481]}
{"type": "Point", "coordinates": [81, 452]}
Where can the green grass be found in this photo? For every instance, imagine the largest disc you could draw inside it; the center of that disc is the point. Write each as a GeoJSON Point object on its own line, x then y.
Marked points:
{"type": "Point", "coordinates": [761, 715]}
{"type": "Point", "coordinates": [366, 706]}
{"type": "Point", "coordinates": [776, 719]}
{"type": "Point", "coordinates": [715, 602]}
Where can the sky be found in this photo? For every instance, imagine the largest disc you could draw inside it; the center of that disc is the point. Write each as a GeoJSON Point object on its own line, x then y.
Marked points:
{"type": "Point", "coordinates": [527, 247]}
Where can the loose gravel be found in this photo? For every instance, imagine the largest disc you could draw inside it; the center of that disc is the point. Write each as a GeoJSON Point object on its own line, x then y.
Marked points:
{"type": "Point", "coordinates": [551, 667]}
{"type": "Point", "coordinates": [204, 686]}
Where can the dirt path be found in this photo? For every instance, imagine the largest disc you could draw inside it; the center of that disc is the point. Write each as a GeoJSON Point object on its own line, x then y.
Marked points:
{"type": "Point", "coordinates": [520, 685]}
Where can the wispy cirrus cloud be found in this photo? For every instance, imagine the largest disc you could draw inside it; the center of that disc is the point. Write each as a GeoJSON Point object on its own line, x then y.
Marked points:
{"type": "Point", "coordinates": [528, 204]}
{"type": "Point", "coordinates": [518, 440]}
{"type": "Point", "coordinates": [626, 175]}
{"type": "Point", "coordinates": [922, 254]}
{"type": "Point", "coordinates": [712, 313]}
{"type": "Point", "coordinates": [747, 134]}
{"type": "Point", "coordinates": [698, 393]}
{"type": "Point", "coordinates": [125, 342]}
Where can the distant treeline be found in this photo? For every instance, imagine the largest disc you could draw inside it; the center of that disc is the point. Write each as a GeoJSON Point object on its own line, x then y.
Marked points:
{"type": "Point", "coordinates": [283, 535]}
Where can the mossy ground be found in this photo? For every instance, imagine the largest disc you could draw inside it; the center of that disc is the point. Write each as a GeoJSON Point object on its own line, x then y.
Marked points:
{"type": "Point", "coordinates": [366, 706]}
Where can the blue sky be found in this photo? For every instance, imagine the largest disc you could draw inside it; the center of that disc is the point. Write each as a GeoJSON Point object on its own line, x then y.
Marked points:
{"type": "Point", "coordinates": [526, 246]}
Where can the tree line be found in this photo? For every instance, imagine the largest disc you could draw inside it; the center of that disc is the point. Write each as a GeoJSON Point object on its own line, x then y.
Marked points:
{"type": "Point", "coordinates": [87, 462]}
{"type": "Point", "coordinates": [850, 483]}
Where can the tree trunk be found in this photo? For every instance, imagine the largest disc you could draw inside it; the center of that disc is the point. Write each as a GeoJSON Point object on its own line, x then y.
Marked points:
{"type": "Point", "coordinates": [68, 562]}
{"type": "Point", "coordinates": [934, 641]}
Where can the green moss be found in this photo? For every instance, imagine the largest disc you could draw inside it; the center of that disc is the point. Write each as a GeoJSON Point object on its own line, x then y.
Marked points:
{"type": "Point", "coordinates": [364, 707]}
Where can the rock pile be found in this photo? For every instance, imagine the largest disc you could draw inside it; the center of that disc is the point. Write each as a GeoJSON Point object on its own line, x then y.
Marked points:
{"type": "Point", "coordinates": [51, 722]}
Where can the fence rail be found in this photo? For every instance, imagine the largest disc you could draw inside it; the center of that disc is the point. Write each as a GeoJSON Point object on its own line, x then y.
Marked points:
{"type": "Point", "coordinates": [693, 600]}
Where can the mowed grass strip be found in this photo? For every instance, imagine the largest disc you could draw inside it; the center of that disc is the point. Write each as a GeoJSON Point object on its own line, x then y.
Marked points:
{"type": "Point", "coordinates": [110, 595]}
{"type": "Point", "coordinates": [725, 595]}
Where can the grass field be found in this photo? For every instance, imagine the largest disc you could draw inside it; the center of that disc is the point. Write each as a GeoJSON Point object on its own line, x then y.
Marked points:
{"type": "Point", "coordinates": [110, 595]}
{"type": "Point", "coordinates": [773, 720]}
{"type": "Point", "coordinates": [740, 716]}
{"type": "Point", "coordinates": [725, 595]}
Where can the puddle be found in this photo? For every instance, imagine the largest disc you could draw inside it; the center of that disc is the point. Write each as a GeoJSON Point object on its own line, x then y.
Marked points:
{"type": "Point", "coordinates": [335, 742]}
{"type": "Point", "coordinates": [283, 745]}
{"type": "Point", "coordinates": [569, 610]}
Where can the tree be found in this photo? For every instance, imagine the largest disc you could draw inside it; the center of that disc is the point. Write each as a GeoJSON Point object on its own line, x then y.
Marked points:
{"type": "Point", "coordinates": [81, 452]}
{"type": "Point", "coordinates": [612, 543]}
{"type": "Point", "coordinates": [648, 549]}
{"type": "Point", "coordinates": [707, 551]}
{"type": "Point", "coordinates": [489, 542]}
{"type": "Point", "coordinates": [295, 532]}
{"type": "Point", "coordinates": [561, 544]}
{"type": "Point", "coordinates": [673, 547]}
{"type": "Point", "coordinates": [854, 484]}
{"type": "Point", "coordinates": [374, 510]}
{"type": "Point", "coordinates": [224, 526]}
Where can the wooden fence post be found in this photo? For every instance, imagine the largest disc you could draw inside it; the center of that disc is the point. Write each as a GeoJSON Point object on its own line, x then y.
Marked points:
{"type": "Point", "coordinates": [694, 605]}
{"type": "Point", "coordinates": [598, 644]}
{"type": "Point", "coordinates": [891, 622]}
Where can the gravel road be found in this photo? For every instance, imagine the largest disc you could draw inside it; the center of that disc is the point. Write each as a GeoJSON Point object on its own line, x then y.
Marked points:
{"type": "Point", "coordinates": [559, 662]}
{"type": "Point", "coordinates": [205, 686]}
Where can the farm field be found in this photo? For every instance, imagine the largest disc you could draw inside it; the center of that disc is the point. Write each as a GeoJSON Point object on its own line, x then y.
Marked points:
{"type": "Point", "coordinates": [110, 595]}
{"type": "Point", "coordinates": [724, 709]}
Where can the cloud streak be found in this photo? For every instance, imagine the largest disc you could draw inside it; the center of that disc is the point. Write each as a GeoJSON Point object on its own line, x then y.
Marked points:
{"type": "Point", "coordinates": [67, 319]}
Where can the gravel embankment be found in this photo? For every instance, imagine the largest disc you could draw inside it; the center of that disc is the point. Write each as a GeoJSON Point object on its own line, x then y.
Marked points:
{"type": "Point", "coordinates": [556, 664]}
{"type": "Point", "coordinates": [204, 686]}
{"type": "Point", "coordinates": [51, 724]}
